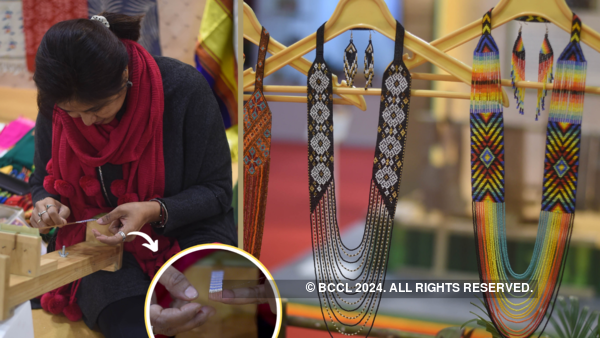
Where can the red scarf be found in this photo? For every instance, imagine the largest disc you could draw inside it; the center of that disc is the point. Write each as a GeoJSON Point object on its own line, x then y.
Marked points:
{"type": "Point", "coordinates": [136, 143]}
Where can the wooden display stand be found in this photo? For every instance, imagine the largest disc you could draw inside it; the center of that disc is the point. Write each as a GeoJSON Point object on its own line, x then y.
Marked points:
{"type": "Point", "coordinates": [25, 274]}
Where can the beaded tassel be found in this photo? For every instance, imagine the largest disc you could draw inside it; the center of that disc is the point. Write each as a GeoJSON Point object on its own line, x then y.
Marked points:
{"type": "Point", "coordinates": [544, 73]}
{"type": "Point", "coordinates": [350, 62]}
{"type": "Point", "coordinates": [369, 64]}
{"type": "Point", "coordinates": [517, 72]}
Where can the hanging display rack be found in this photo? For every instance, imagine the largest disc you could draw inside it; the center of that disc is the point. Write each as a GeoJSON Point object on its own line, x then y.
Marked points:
{"type": "Point", "coordinates": [351, 14]}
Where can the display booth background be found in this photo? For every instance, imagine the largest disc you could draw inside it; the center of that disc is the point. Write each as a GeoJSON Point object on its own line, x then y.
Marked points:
{"type": "Point", "coordinates": [179, 24]}
{"type": "Point", "coordinates": [433, 234]}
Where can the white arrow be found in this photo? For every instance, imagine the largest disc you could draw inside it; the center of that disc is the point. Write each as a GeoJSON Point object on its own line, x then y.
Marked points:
{"type": "Point", "coordinates": [150, 245]}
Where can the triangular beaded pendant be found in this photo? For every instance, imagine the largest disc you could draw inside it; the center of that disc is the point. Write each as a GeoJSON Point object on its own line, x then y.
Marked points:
{"type": "Point", "coordinates": [350, 62]}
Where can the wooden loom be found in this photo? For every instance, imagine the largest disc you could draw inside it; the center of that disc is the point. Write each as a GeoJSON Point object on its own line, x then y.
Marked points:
{"type": "Point", "coordinates": [26, 274]}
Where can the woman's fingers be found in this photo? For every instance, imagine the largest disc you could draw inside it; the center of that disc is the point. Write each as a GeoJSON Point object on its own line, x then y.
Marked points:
{"type": "Point", "coordinates": [153, 299]}
{"type": "Point", "coordinates": [250, 295]}
{"type": "Point", "coordinates": [258, 294]}
{"type": "Point", "coordinates": [38, 221]}
{"type": "Point", "coordinates": [183, 315]}
{"type": "Point", "coordinates": [114, 215]}
{"type": "Point", "coordinates": [35, 223]}
{"type": "Point", "coordinates": [110, 240]}
{"type": "Point", "coordinates": [35, 214]}
{"type": "Point", "coordinates": [47, 220]}
{"type": "Point", "coordinates": [172, 321]}
{"type": "Point", "coordinates": [177, 284]}
{"type": "Point", "coordinates": [63, 211]}
{"type": "Point", "coordinates": [178, 303]}
{"type": "Point", "coordinates": [115, 227]}
{"type": "Point", "coordinates": [54, 217]}
{"type": "Point", "coordinates": [48, 208]}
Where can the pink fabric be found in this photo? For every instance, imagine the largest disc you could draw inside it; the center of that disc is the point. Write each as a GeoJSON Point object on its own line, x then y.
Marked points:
{"type": "Point", "coordinates": [14, 131]}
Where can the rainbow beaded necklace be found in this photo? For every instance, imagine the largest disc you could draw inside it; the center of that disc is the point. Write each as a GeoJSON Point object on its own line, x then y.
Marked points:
{"type": "Point", "coordinates": [523, 316]}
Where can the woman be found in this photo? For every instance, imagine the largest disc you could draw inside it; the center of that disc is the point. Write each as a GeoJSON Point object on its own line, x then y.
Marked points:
{"type": "Point", "coordinates": [134, 136]}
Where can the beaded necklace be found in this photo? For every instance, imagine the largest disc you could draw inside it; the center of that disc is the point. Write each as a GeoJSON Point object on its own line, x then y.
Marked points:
{"type": "Point", "coordinates": [257, 156]}
{"type": "Point", "coordinates": [366, 263]}
{"type": "Point", "coordinates": [522, 317]}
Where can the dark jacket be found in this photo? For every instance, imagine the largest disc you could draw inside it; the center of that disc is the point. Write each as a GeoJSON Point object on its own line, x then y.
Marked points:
{"type": "Point", "coordinates": [198, 191]}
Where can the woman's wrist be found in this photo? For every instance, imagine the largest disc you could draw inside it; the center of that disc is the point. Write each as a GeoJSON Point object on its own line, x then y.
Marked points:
{"type": "Point", "coordinates": [153, 214]}
{"type": "Point", "coordinates": [163, 216]}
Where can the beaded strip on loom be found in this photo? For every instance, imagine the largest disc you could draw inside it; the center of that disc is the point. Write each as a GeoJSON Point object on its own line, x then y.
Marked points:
{"type": "Point", "coordinates": [367, 262]}
{"type": "Point", "coordinates": [257, 156]}
{"type": "Point", "coordinates": [561, 163]}
{"type": "Point", "coordinates": [215, 291]}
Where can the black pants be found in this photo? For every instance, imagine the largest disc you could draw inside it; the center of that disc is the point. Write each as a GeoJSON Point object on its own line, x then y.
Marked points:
{"type": "Point", "coordinates": [123, 319]}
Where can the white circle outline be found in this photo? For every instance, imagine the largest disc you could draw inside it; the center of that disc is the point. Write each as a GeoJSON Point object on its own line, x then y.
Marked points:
{"type": "Point", "coordinates": [199, 247]}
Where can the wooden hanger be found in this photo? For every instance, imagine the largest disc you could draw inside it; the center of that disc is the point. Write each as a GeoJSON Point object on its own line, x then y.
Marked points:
{"type": "Point", "coordinates": [555, 11]}
{"type": "Point", "coordinates": [252, 32]}
{"type": "Point", "coordinates": [351, 14]}
{"type": "Point", "coordinates": [341, 90]}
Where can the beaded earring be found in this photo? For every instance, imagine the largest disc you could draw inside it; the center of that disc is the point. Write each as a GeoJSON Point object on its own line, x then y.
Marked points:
{"type": "Point", "coordinates": [517, 72]}
{"type": "Point", "coordinates": [350, 62]}
{"type": "Point", "coordinates": [369, 64]}
{"type": "Point", "coordinates": [544, 72]}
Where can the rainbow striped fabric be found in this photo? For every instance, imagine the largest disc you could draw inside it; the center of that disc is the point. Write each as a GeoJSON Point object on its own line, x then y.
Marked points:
{"type": "Point", "coordinates": [521, 314]}
{"type": "Point", "coordinates": [215, 56]}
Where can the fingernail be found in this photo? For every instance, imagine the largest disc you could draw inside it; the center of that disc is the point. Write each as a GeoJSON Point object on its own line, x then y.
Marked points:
{"type": "Point", "coordinates": [211, 313]}
{"type": "Point", "coordinates": [190, 292]}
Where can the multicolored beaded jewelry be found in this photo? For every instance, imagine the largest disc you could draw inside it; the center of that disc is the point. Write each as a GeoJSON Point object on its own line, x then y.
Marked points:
{"type": "Point", "coordinates": [257, 156]}
{"type": "Point", "coordinates": [520, 314]}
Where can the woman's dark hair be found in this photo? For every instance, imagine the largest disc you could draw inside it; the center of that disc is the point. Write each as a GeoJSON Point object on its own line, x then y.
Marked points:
{"type": "Point", "coordinates": [83, 60]}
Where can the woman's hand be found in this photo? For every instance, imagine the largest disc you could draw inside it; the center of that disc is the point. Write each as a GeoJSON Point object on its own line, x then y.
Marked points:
{"type": "Point", "coordinates": [127, 217]}
{"type": "Point", "coordinates": [53, 213]}
{"type": "Point", "coordinates": [183, 315]}
{"type": "Point", "coordinates": [259, 294]}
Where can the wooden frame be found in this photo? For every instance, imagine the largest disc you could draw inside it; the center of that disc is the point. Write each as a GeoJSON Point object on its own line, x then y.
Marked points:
{"type": "Point", "coordinates": [24, 275]}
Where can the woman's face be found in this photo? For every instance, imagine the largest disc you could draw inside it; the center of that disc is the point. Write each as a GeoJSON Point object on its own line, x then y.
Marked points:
{"type": "Point", "coordinates": [101, 112]}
